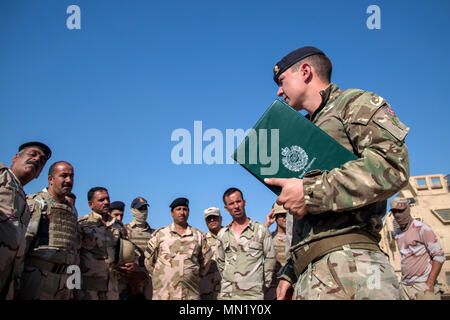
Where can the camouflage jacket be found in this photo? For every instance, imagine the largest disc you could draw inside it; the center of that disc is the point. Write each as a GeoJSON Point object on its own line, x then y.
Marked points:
{"type": "Point", "coordinates": [210, 283]}
{"type": "Point", "coordinates": [279, 244]}
{"type": "Point", "coordinates": [246, 267]}
{"type": "Point", "coordinates": [51, 233]}
{"type": "Point", "coordinates": [354, 196]}
{"type": "Point", "coordinates": [177, 262]}
{"type": "Point", "coordinates": [14, 218]}
{"type": "Point", "coordinates": [99, 244]}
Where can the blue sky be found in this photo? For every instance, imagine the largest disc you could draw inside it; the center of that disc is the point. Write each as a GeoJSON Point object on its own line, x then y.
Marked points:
{"type": "Point", "coordinates": [108, 97]}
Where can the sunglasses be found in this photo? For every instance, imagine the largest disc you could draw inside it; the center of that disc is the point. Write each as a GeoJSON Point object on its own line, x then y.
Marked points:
{"type": "Point", "coordinates": [397, 210]}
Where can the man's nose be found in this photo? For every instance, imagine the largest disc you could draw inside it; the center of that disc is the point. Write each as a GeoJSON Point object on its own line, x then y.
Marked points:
{"type": "Point", "coordinates": [280, 92]}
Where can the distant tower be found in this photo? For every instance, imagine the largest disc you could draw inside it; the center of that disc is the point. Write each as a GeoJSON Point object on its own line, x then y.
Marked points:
{"type": "Point", "coordinates": [429, 198]}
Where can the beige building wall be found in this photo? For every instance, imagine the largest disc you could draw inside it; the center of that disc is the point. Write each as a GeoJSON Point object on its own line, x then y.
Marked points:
{"type": "Point", "coordinates": [430, 202]}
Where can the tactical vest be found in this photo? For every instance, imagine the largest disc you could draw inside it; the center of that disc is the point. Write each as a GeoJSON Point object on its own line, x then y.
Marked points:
{"type": "Point", "coordinates": [57, 226]}
{"type": "Point", "coordinates": [139, 238]}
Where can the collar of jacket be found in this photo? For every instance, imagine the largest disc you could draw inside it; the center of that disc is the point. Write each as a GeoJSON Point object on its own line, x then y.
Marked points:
{"type": "Point", "coordinates": [251, 225]}
{"type": "Point", "coordinates": [188, 231]}
{"type": "Point", "coordinates": [97, 217]}
{"type": "Point", "coordinates": [133, 225]}
{"type": "Point", "coordinates": [325, 94]}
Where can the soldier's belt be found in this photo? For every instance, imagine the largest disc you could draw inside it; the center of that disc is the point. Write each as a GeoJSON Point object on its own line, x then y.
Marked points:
{"type": "Point", "coordinates": [314, 250]}
{"type": "Point", "coordinates": [58, 268]}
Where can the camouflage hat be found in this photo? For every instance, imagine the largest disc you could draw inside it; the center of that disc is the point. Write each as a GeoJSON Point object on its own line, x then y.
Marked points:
{"type": "Point", "coordinates": [399, 203]}
{"type": "Point", "coordinates": [212, 211]}
{"type": "Point", "coordinates": [278, 209]}
{"type": "Point", "coordinates": [126, 252]}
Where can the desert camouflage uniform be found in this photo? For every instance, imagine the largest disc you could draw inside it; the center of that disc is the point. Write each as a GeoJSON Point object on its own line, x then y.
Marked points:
{"type": "Point", "coordinates": [418, 246]}
{"type": "Point", "coordinates": [140, 236]}
{"type": "Point", "coordinates": [279, 244]}
{"type": "Point", "coordinates": [177, 262]}
{"type": "Point", "coordinates": [99, 243]}
{"type": "Point", "coordinates": [14, 218]}
{"type": "Point", "coordinates": [50, 248]}
{"type": "Point", "coordinates": [210, 283]}
{"type": "Point", "coordinates": [352, 197]}
{"type": "Point", "coordinates": [244, 275]}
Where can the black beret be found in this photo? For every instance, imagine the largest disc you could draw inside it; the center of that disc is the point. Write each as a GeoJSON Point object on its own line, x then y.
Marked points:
{"type": "Point", "coordinates": [292, 58]}
{"type": "Point", "coordinates": [139, 202]}
{"type": "Point", "coordinates": [179, 202]}
{"type": "Point", "coordinates": [117, 205]}
{"type": "Point", "coordinates": [40, 145]}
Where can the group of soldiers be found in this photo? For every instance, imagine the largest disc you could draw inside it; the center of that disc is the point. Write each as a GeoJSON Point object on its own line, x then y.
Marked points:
{"type": "Point", "coordinates": [42, 239]}
{"type": "Point", "coordinates": [326, 247]}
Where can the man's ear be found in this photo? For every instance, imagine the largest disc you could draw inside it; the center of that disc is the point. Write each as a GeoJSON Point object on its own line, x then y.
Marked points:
{"type": "Point", "coordinates": [14, 159]}
{"type": "Point", "coordinates": [90, 204]}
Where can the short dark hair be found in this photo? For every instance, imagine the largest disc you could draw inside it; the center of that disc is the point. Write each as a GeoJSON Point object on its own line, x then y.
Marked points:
{"type": "Point", "coordinates": [321, 63]}
{"type": "Point", "coordinates": [94, 190]}
{"type": "Point", "coordinates": [230, 191]}
{"type": "Point", "coordinates": [51, 170]}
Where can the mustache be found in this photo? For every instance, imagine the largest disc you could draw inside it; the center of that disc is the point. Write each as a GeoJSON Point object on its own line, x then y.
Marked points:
{"type": "Point", "coordinates": [34, 163]}
{"type": "Point", "coordinates": [67, 185]}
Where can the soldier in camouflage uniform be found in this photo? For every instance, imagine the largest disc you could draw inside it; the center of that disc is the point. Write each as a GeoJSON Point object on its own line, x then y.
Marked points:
{"type": "Point", "coordinates": [245, 254]}
{"type": "Point", "coordinates": [177, 256]}
{"type": "Point", "coordinates": [100, 237]}
{"type": "Point", "coordinates": [116, 211]}
{"type": "Point", "coordinates": [14, 212]}
{"type": "Point", "coordinates": [334, 252]}
{"type": "Point", "coordinates": [50, 238]}
{"type": "Point", "coordinates": [421, 253]}
{"type": "Point", "coordinates": [210, 283]}
{"type": "Point", "coordinates": [139, 232]}
{"type": "Point", "coordinates": [278, 214]}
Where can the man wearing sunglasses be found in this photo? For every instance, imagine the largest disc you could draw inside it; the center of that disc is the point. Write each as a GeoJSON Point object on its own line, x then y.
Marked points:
{"type": "Point", "coordinates": [421, 253]}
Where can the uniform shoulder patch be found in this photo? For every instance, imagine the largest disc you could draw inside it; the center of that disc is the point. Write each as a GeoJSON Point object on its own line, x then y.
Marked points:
{"type": "Point", "coordinates": [387, 119]}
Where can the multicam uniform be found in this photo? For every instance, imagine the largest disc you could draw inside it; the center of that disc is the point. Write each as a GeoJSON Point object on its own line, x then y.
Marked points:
{"type": "Point", "coordinates": [351, 198]}
{"type": "Point", "coordinates": [418, 246]}
{"type": "Point", "coordinates": [98, 255]}
{"type": "Point", "coordinates": [140, 236]}
{"type": "Point", "coordinates": [244, 275]}
{"type": "Point", "coordinates": [279, 244]}
{"type": "Point", "coordinates": [177, 262]}
{"type": "Point", "coordinates": [14, 218]}
{"type": "Point", "coordinates": [210, 283]}
{"type": "Point", "coordinates": [50, 248]}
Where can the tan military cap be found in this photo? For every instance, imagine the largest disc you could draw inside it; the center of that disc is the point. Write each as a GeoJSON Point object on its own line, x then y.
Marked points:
{"type": "Point", "coordinates": [278, 209]}
{"type": "Point", "coordinates": [399, 203]}
{"type": "Point", "coordinates": [212, 211]}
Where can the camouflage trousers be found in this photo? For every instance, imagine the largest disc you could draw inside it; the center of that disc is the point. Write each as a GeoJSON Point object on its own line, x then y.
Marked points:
{"type": "Point", "coordinates": [418, 291]}
{"type": "Point", "coordinates": [37, 284]}
{"type": "Point", "coordinates": [348, 274]}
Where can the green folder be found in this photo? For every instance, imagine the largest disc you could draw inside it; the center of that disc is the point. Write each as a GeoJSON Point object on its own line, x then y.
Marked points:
{"type": "Point", "coordinates": [284, 144]}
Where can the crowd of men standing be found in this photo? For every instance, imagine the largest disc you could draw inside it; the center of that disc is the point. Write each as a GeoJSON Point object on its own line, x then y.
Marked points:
{"type": "Point", "coordinates": [42, 239]}
{"type": "Point", "coordinates": [335, 218]}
